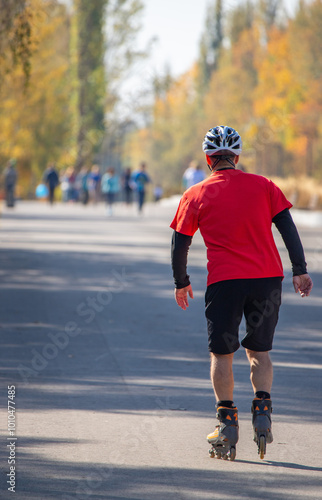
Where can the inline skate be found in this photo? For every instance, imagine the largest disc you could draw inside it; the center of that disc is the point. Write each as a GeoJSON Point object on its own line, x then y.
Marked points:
{"type": "Point", "coordinates": [262, 424]}
{"type": "Point", "coordinates": [223, 440]}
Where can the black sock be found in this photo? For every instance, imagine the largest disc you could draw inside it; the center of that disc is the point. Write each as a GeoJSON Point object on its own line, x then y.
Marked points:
{"type": "Point", "coordinates": [226, 404]}
{"type": "Point", "coordinates": [262, 395]}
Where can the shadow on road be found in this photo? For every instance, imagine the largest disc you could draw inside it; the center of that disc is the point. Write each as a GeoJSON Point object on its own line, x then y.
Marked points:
{"type": "Point", "coordinates": [100, 332]}
{"type": "Point", "coordinates": [94, 481]}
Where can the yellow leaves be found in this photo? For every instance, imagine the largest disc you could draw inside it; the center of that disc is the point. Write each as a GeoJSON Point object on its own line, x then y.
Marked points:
{"type": "Point", "coordinates": [180, 94]}
{"type": "Point", "coordinates": [267, 85]}
{"type": "Point", "coordinates": [171, 142]}
{"type": "Point", "coordinates": [274, 75]}
{"type": "Point", "coordinates": [279, 94]}
{"type": "Point", "coordinates": [289, 88]}
{"type": "Point", "coordinates": [299, 145]}
{"type": "Point", "coordinates": [245, 52]}
{"type": "Point", "coordinates": [35, 121]}
{"type": "Point", "coordinates": [137, 147]}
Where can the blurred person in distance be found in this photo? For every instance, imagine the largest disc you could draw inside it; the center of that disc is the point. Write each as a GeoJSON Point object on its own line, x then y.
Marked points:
{"type": "Point", "coordinates": [82, 182]}
{"type": "Point", "coordinates": [158, 192]}
{"type": "Point", "coordinates": [51, 179]}
{"type": "Point", "coordinates": [94, 182]}
{"type": "Point", "coordinates": [193, 175]}
{"type": "Point", "coordinates": [128, 186]}
{"type": "Point", "coordinates": [141, 179]}
{"type": "Point", "coordinates": [10, 180]}
{"type": "Point", "coordinates": [64, 185]}
{"type": "Point", "coordinates": [71, 178]}
{"type": "Point", "coordinates": [110, 186]}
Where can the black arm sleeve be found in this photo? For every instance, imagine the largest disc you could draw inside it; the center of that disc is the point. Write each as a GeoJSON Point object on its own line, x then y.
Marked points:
{"type": "Point", "coordinates": [284, 223]}
{"type": "Point", "coordinates": [179, 257]}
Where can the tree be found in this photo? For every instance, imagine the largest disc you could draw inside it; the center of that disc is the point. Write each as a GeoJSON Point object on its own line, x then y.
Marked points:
{"type": "Point", "coordinates": [241, 19]}
{"type": "Point", "coordinates": [287, 99]}
{"type": "Point", "coordinates": [274, 98]}
{"type": "Point", "coordinates": [230, 96]}
{"type": "Point", "coordinates": [17, 35]}
{"type": "Point", "coordinates": [122, 26]}
{"type": "Point", "coordinates": [171, 141]}
{"type": "Point", "coordinates": [91, 81]}
{"type": "Point", "coordinates": [126, 92]}
{"type": "Point", "coordinates": [71, 100]}
{"type": "Point", "coordinates": [307, 72]}
{"type": "Point", "coordinates": [104, 53]}
{"type": "Point", "coordinates": [19, 22]}
{"type": "Point", "coordinates": [266, 83]}
{"type": "Point", "coordinates": [211, 43]}
{"type": "Point", "coordinates": [268, 11]}
{"type": "Point", "coordinates": [35, 121]}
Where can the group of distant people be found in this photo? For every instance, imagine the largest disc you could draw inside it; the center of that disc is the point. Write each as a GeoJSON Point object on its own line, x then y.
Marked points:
{"type": "Point", "coordinates": [89, 185]}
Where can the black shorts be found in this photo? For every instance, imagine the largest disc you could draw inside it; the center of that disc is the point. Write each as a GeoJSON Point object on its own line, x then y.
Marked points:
{"type": "Point", "coordinates": [226, 302]}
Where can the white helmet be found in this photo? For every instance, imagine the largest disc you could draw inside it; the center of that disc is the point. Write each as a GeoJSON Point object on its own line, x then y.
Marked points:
{"type": "Point", "coordinates": [222, 139]}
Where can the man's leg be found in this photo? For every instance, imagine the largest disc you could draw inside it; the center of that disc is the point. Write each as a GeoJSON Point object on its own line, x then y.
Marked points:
{"type": "Point", "coordinates": [224, 308]}
{"type": "Point", "coordinates": [261, 376]}
{"type": "Point", "coordinates": [225, 437]}
{"type": "Point", "coordinates": [261, 370]}
{"type": "Point", "coordinates": [222, 377]}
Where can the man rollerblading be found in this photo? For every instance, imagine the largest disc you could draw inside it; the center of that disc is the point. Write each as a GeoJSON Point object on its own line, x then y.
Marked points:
{"type": "Point", "coordinates": [234, 211]}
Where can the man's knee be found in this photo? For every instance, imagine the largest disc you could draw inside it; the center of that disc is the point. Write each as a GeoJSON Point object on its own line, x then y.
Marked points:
{"type": "Point", "coordinates": [258, 357]}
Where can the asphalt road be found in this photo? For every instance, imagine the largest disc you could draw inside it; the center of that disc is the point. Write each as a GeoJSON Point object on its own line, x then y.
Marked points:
{"type": "Point", "coordinates": [112, 391]}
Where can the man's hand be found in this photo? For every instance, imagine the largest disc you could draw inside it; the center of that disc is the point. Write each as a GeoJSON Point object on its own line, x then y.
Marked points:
{"type": "Point", "coordinates": [303, 284]}
{"type": "Point", "coordinates": [181, 296]}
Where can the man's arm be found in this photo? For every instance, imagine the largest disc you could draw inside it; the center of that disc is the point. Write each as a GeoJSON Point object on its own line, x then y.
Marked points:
{"type": "Point", "coordinates": [179, 257]}
{"type": "Point", "coordinates": [301, 280]}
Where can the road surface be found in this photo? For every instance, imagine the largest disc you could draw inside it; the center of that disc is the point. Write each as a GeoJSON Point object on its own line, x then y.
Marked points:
{"type": "Point", "coordinates": [112, 391]}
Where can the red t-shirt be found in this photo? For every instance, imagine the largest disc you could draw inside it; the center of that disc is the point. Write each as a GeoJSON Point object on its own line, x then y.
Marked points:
{"type": "Point", "coordinates": [234, 212]}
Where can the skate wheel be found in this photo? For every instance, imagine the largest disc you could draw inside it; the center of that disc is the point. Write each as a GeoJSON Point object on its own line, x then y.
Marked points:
{"type": "Point", "coordinates": [218, 454]}
{"type": "Point", "coordinates": [224, 456]}
{"type": "Point", "coordinates": [232, 453]}
{"type": "Point", "coordinates": [262, 447]}
{"type": "Point", "coordinates": [211, 453]}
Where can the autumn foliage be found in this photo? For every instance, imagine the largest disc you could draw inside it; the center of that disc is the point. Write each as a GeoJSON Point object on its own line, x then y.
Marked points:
{"type": "Point", "coordinates": [266, 83]}
{"type": "Point", "coordinates": [258, 70]}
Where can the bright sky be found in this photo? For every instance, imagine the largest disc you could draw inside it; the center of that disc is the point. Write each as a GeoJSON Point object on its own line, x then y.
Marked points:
{"type": "Point", "coordinates": [178, 24]}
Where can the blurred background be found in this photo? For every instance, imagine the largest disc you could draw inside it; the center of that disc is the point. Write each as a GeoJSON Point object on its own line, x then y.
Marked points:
{"type": "Point", "coordinates": [114, 83]}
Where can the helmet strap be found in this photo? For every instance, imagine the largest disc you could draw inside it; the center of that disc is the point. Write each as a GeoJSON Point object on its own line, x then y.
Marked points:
{"type": "Point", "coordinates": [219, 159]}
